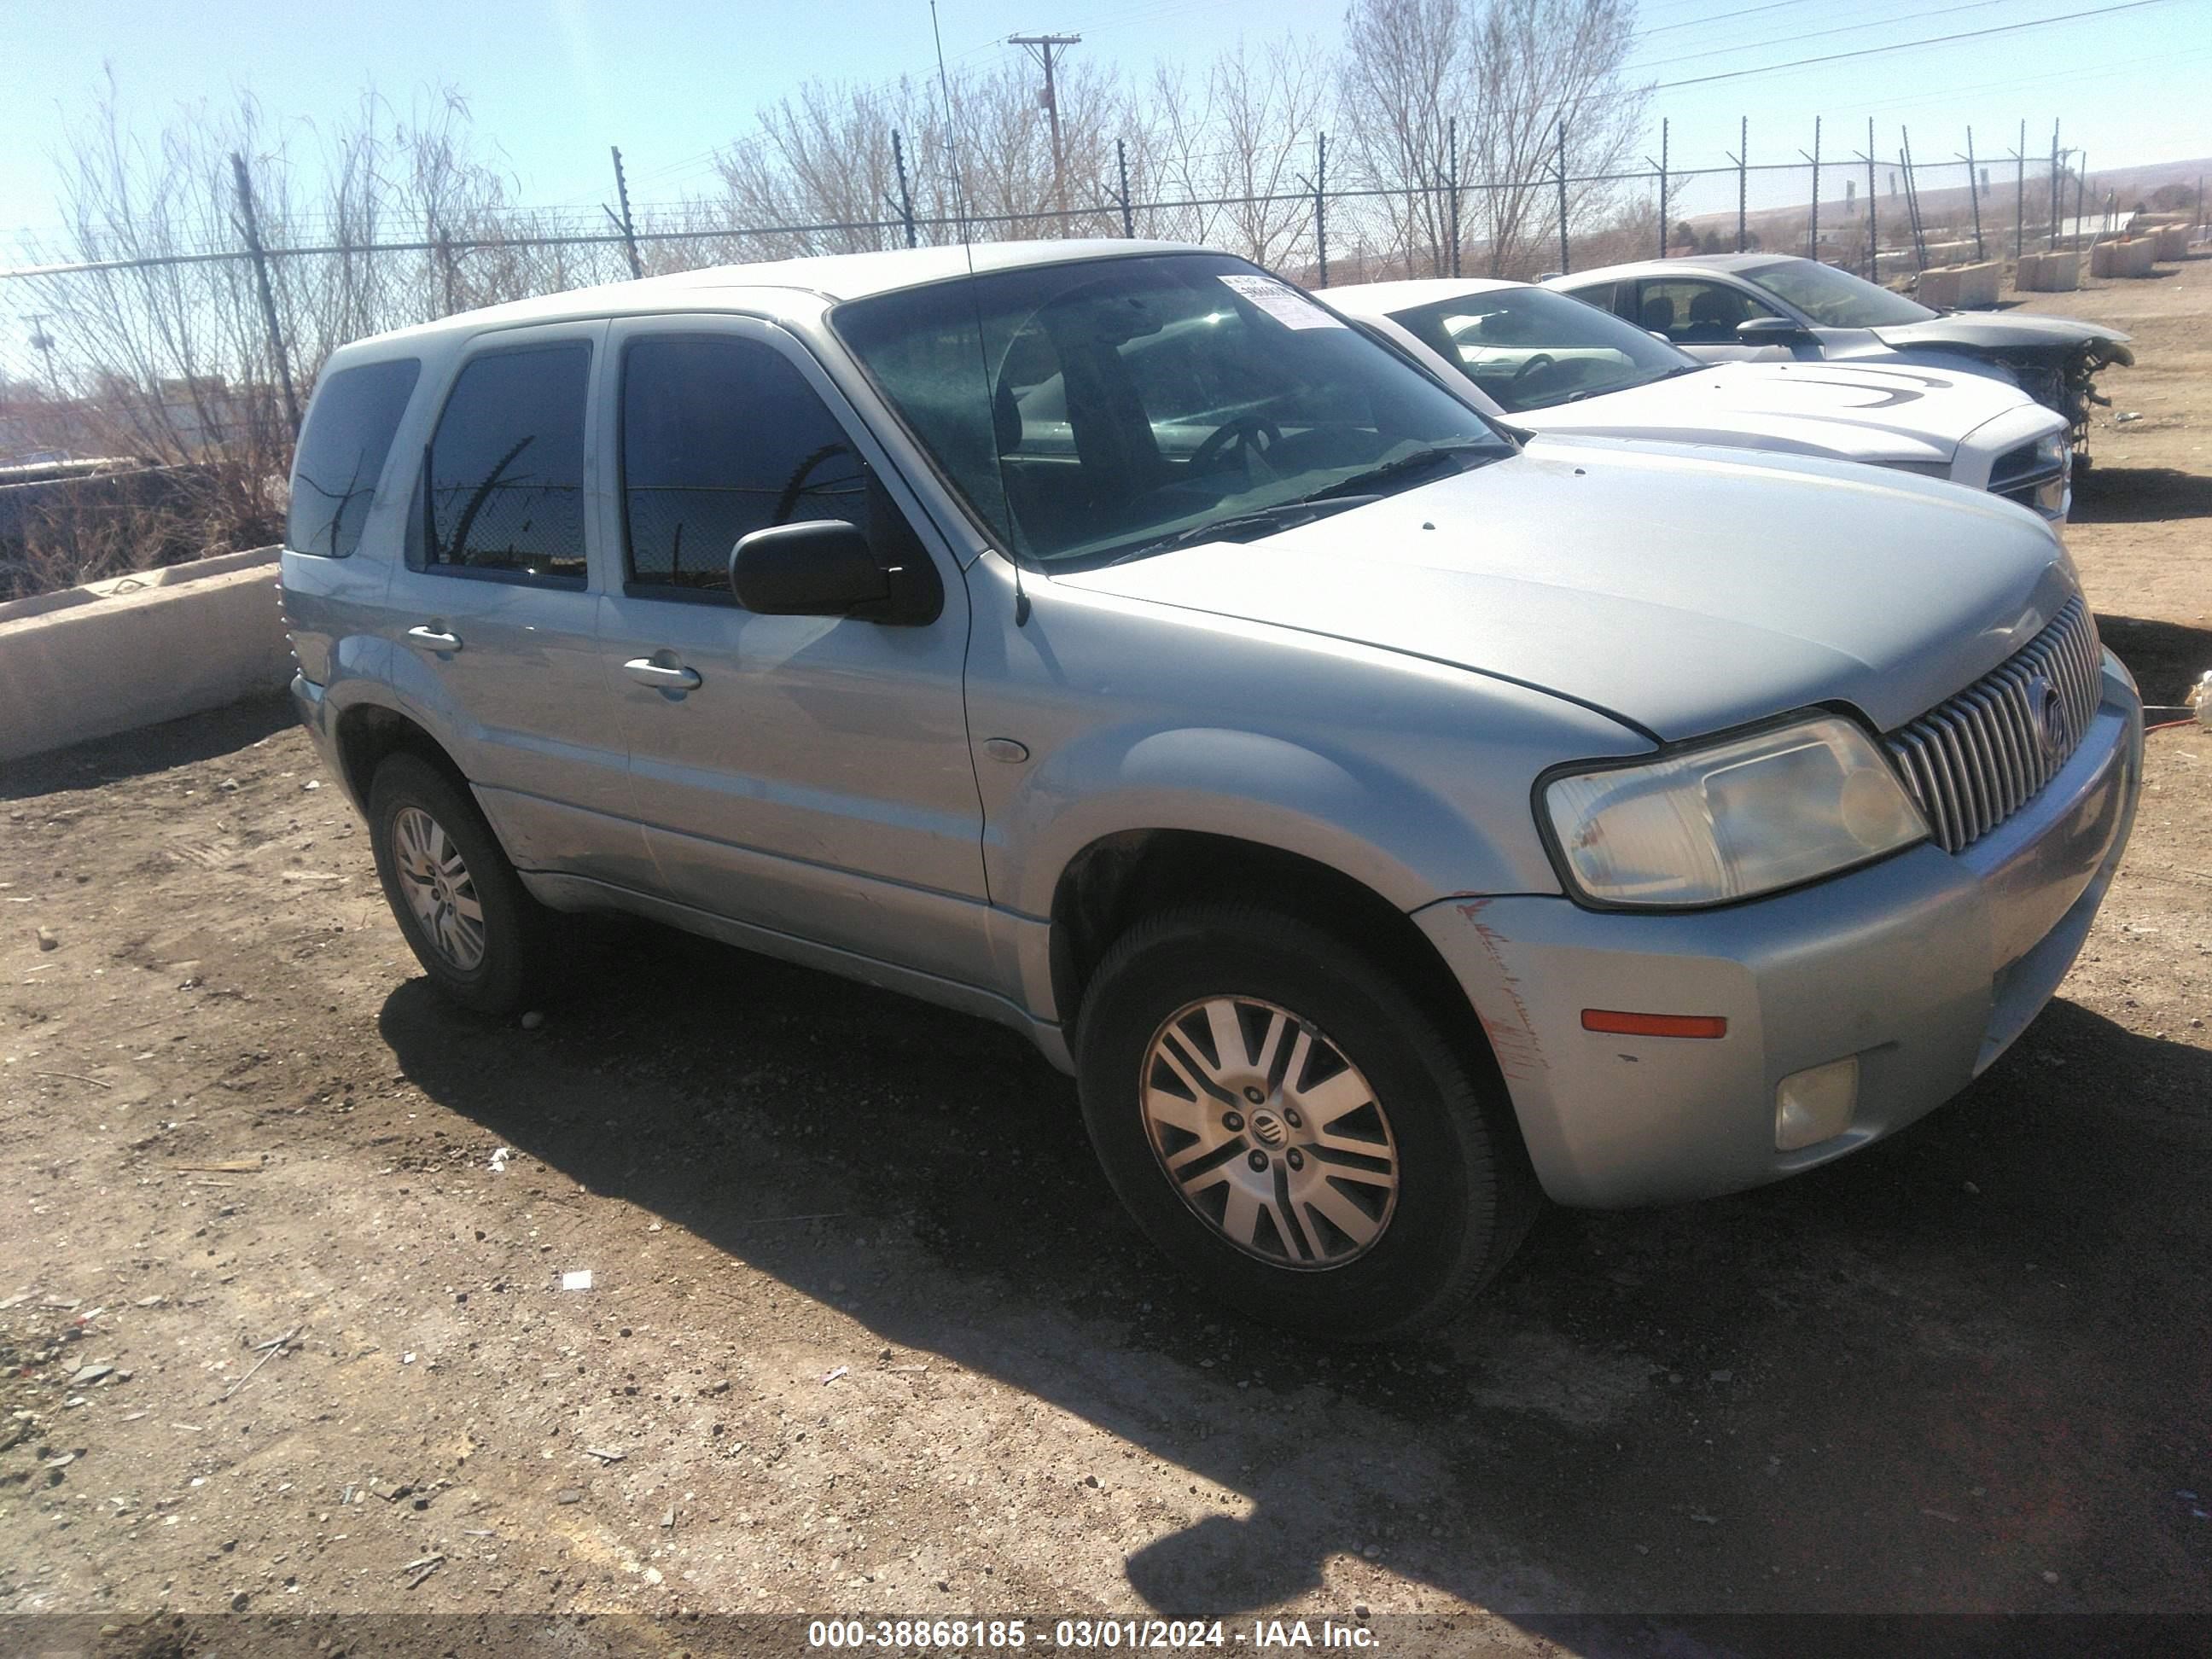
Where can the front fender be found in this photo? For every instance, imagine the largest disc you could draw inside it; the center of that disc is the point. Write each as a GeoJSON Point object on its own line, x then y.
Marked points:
{"type": "Point", "coordinates": [1350, 812]}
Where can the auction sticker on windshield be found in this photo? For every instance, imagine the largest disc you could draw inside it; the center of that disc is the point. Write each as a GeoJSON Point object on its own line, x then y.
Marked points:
{"type": "Point", "coordinates": [1281, 302]}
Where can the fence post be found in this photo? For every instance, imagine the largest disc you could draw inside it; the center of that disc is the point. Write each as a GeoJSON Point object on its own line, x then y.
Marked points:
{"type": "Point", "coordinates": [1128, 217]}
{"type": "Point", "coordinates": [1319, 184]}
{"type": "Point", "coordinates": [1663, 187]}
{"type": "Point", "coordinates": [252, 229]}
{"type": "Point", "coordinates": [1451, 140]}
{"type": "Point", "coordinates": [2020, 196]}
{"type": "Point", "coordinates": [1812, 231]}
{"type": "Point", "coordinates": [2054, 186]}
{"type": "Point", "coordinates": [446, 271]}
{"type": "Point", "coordinates": [1874, 231]}
{"type": "Point", "coordinates": [2081, 180]}
{"type": "Point", "coordinates": [1912, 200]}
{"type": "Point", "coordinates": [1974, 193]}
{"type": "Point", "coordinates": [629, 229]}
{"type": "Point", "coordinates": [904, 206]}
{"type": "Point", "coordinates": [1743, 177]}
{"type": "Point", "coordinates": [1565, 261]}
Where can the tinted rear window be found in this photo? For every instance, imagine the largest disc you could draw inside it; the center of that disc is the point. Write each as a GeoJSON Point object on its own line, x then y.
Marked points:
{"type": "Point", "coordinates": [506, 467]}
{"type": "Point", "coordinates": [341, 454]}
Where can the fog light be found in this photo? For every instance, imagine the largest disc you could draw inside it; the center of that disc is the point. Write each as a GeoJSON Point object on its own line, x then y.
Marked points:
{"type": "Point", "coordinates": [1815, 1105]}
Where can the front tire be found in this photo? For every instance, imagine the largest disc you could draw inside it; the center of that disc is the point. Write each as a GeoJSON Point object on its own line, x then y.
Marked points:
{"type": "Point", "coordinates": [1293, 1129]}
{"type": "Point", "coordinates": [458, 901]}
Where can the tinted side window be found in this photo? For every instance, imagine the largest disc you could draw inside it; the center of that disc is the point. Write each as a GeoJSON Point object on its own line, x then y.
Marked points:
{"type": "Point", "coordinates": [341, 453]}
{"type": "Point", "coordinates": [1698, 313]}
{"type": "Point", "coordinates": [720, 438]}
{"type": "Point", "coordinates": [506, 467]}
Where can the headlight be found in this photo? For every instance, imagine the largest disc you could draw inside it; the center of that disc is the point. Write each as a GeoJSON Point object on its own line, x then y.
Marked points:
{"type": "Point", "coordinates": [1739, 818]}
{"type": "Point", "coordinates": [2056, 450]}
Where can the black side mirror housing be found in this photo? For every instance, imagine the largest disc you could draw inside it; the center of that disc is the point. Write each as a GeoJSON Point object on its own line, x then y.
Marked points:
{"type": "Point", "coordinates": [830, 568]}
{"type": "Point", "coordinates": [1770, 331]}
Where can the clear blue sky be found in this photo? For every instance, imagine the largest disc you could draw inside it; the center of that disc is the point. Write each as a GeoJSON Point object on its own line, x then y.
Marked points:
{"type": "Point", "coordinates": [555, 81]}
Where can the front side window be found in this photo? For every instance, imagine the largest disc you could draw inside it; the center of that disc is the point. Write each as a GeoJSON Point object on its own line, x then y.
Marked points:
{"type": "Point", "coordinates": [1090, 410]}
{"type": "Point", "coordinates": [721, 437]}
{"type": "Point", "coordinates": [1833, 298]}
{"type": "Point", "coordinates": [506, 472]}
{"type": "Point", "coordinates": [1528, 348]}
{"type": "Point", "coordinates": [1691, 313]}
{"type": "Point", "coordinates": [341, 454]}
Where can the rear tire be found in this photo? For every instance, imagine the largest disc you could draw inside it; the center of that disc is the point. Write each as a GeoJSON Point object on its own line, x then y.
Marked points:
{"type": "Point", "coordinates": [1289, 1125]}
{"type": "Point", "coordinates": [479, 936]}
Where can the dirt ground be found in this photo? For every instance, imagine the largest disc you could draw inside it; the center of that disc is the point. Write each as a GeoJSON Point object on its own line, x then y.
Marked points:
{"type": "Point", "coordinates": [866, 1332]}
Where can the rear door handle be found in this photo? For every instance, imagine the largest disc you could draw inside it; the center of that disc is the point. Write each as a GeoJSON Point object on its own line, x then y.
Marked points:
{"type": "Point", "coordinates": [434, 639]}
{"type": "Point", "coordinates": [663, 676]}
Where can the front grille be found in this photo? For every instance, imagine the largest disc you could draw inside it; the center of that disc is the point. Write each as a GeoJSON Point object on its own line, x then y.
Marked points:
{"type": "Point", "coordinates": [1975, 759]}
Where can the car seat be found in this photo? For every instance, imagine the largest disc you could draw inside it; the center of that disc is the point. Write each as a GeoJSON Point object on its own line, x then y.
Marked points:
{"type": "Point", "coordinates": [1658, 314]}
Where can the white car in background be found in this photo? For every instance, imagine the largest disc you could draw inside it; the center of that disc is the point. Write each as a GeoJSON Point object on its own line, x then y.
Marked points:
{"type": "Point", "coordinates": [1539, 361]}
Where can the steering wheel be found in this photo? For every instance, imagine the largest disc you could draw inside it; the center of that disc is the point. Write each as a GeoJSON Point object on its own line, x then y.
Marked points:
{"type": "Point", "coordinates": [1535, 363]}
{"type": "Point", "coordinates": [1242, 432]}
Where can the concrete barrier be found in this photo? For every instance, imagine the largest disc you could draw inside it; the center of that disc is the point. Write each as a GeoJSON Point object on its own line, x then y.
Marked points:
{"type": "Point", "coordinates": [2171, 242]}
{"type": "Point", "coordinates": [116, 655]}
{"type": "Point", "coordinates": [2123, 256]}
{"type": "Point", "coordinates": [2048, 273]}
{"type": "Point", "coordinates": [1951, 287]}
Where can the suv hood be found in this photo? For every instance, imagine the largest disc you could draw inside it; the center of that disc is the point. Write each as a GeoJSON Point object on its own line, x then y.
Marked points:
{"type": "Point", "coordinates": [1684, 591]}
{"type": "Point", "coordinates": [1979, 331]}
{"type": "Point", "coordinates": [1805, 408]}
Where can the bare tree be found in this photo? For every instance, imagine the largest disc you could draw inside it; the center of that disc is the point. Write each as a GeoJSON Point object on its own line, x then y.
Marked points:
{"type": "Point", "coordinates": [1407, 71]}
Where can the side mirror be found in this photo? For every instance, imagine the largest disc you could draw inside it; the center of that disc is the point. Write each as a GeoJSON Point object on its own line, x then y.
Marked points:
{"type": "Point", "coordinates": [822, 567]}
{"type": "Point", "coordinates": [1770, 331]}
{"type": "Point", "coordinates": [829, 567]}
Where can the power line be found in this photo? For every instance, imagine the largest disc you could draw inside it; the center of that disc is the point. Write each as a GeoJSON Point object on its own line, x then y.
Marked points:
{"type": "Point", "coordinates": [1906, 46]}
{"type": "Point", "coordinates": [1817, 34]}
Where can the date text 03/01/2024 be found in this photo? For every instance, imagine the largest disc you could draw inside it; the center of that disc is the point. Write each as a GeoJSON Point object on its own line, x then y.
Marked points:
{"type": "Point", "coordinates": [985, 1635]}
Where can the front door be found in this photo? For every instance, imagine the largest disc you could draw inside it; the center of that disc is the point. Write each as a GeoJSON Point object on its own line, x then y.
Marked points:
{"type": "Point", "coordinates": [1701, 316]}
{"type": "Point", "coordinates": [805, 774]}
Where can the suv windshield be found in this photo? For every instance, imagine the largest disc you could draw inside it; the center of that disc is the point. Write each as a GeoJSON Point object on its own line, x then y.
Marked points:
{"type": "Point", "coordinates": [1833, 298]}
{"type": "Point", "coordinates": [1092, 409]}
{"type": "Point", "coordinates": [1528, 348]}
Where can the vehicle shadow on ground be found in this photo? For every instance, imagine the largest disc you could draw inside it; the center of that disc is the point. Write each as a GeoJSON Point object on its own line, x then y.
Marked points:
{"type": "Point", "coordinates": [151, 749]}
{"type": "Point", "coordinates": [2139, 495]}
{"type": "Point", "coordinates": [1921, 1378]}
{"type": "Point", "coordinates": [2166, 658]}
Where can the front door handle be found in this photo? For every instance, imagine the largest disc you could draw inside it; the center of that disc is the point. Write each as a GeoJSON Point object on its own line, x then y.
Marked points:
{"type": "Point", "coordinates": [434, 639]}
{"type": "Point", "coordinates": [662, 677]}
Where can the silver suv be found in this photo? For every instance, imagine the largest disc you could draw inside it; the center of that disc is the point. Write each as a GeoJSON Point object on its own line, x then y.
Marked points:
{"type": "Point", "coordinates": [1386, 818]}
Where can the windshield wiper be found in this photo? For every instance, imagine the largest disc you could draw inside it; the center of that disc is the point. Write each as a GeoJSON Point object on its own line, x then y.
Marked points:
{"type": "Point", "coordinates": [1421, 460]}
{"type": "Point", "coordinates": [1265, 521]}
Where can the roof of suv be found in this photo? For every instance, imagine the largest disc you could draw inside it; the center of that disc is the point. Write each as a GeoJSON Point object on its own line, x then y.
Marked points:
{"type": "Point", "coordinates": [835, 276]}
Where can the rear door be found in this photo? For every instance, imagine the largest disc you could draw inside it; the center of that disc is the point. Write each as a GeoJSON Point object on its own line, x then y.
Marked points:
{"type": "Point", "coordinates": [493, 611]}
{"type": "Point", "coordinates": [805, 774]}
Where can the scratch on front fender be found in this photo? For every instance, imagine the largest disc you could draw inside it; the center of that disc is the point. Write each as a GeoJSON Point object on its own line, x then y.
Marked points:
{"type": "Point", "coordinates": [1520, 1052]}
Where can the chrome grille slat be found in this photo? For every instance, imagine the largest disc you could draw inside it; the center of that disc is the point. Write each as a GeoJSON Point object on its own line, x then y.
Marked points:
{"type": "Point", "coordinates": [1976, 759]}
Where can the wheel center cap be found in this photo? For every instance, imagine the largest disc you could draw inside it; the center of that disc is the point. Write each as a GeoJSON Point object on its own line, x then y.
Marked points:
{"type": "Point", "coordinates": [1268, 1129]}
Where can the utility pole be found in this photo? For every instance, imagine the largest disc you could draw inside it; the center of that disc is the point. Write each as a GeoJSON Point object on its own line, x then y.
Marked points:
{"type": "Point", "coordinates": [252, 228]}
{"type": "Point", "coordinates": [1044, 48]}
{"type": "Point", "coordinates": [623, 223]}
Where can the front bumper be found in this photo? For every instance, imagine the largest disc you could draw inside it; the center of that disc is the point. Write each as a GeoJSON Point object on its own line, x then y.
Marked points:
{"type": "Point", "coordinates": [1925, 967]}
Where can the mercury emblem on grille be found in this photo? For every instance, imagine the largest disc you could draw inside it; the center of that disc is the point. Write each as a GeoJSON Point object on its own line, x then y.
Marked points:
{"type": "Point", "coordinates": [2049, 715]}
